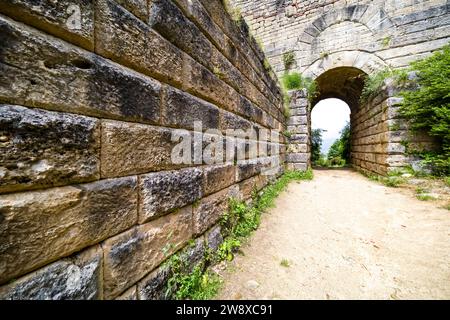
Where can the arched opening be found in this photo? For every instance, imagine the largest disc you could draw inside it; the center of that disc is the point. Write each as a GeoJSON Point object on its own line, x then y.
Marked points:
{"type": "Point", "coordinates": [330, 121]}
{"type": "Point", "coordinates": [339, 91]}
{"type": "Point", "coordinates": [345, 83]}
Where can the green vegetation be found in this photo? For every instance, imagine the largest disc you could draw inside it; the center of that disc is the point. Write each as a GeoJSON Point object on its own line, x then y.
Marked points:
{"type": "Point", "coordinates": [428, 108]}
{"type": "Point", "coordinates": [295, 81]}
{"type": "Point", "coordinates": [339, 153]}
{"type": "Point", "coordinates": [424, 197]}
{"type": "Point", "coordinates": [237, 223]}
{"type": "Point", "coordinates": [195, 284]}
{"type": "Point", "coordinates": [323, 55]}
{"type": "Point", "coordinates": [447, 181]}
{"type": "Point", "coordinates": [374, 82]}
{"type": "Point", "coordinates": [288, 60]}
{"type": "Point", "coordinates": [292, 81]}
{"type": "Point", "coordinates": [287, 133]}
{"type": "Point", "coordinates": [285, 263]}
{"type": "Point", "coordinates": [316, 144]}
{"type": "Point", "coordinates": [385, 42]}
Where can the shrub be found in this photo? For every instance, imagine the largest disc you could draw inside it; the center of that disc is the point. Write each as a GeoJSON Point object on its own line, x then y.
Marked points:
{"type": "Point", "coordinates": [292, 80]}
{"type": "Point", "coordinates": [428, 108]}
{"type": "Point", "coordinates": [288, 60]}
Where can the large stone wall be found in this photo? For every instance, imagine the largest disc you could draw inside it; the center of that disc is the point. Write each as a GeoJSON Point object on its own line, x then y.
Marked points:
{"type": "Point", "coordinates": [393, 32]}
{"type": "Point", "coordinates": [338, 43]}
{"type": "Point", "coordinates": [92, 94]}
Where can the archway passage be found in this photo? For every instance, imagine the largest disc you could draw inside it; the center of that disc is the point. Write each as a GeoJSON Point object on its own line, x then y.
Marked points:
{"type": "Point", "coordinates": [374, 144]}
{"type": "Point", "coordinates": [330, 124]}
{"type": "Point", "coordinates": [345, 83]}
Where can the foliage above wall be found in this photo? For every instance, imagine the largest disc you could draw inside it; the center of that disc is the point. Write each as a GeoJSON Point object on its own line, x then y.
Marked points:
{"type": "Point", "coordinates": [428, 108]}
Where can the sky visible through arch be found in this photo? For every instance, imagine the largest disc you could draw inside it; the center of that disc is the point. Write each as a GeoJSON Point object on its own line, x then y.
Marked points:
{"type": "Point", "coordinates": [331, 115]}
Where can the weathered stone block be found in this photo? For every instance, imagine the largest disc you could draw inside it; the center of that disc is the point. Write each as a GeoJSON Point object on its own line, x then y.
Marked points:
{"type": "Point", "coordinates": [193, 254]}
{"type": "Point", "coordinates": [41, 226]}
{"type": "Point", "coordinates": [297, 120]}
{"type": "Point", "coordinates": [75, 278]}
{"type": "Point", "coordinates": [214, 238]}
{"type": "Point", "coordinates": [130, 294]}
{"type": "Point", "coordinates": [129, 148]}
{"type": "Point", "coordinates": [142, 249]}
{"type": "Point", "coordinates": [41, 148]}
{"type": "Point", "coordinates": [64, 78]}
{"type": "Point", "coordinates": [71, 20]}
{"type": "Point", "coordinates": [182, 110]}
{"type": "Point", "coordinates": [247, 169]}
{"type": "Point", "coordinates": [209, 210]}
{"type": "Point", "coordinates": [297, 148]}
{"type": "Point", "coordinates": [125, 39]}
{"type": "Point", "coordinates": [231, 121]}
{"type": "Point", "coordinates": [154, 286]}
{"type": "Point", "coordinates": [297, 157]}
{"type": "Point", "coordinates": [162, 192]}
{"type": "Point", "coordinates": [297, 166]}
{"type": "Point", "coordinates": [218, 177]}
{"type": "Point", "coordinates": [137, 7]}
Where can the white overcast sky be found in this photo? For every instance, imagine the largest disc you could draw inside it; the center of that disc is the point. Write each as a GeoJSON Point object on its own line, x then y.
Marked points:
{"type": "Point", "coordinates": [331, 115]}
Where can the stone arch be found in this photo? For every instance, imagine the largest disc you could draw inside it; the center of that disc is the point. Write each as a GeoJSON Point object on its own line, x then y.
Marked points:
{"type": "Point", "coordinates": [373, 17]}
{"type": "Point", "coordinates": [365, 61]}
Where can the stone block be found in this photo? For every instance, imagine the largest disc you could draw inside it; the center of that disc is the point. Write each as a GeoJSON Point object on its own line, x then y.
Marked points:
{"type": "Point", "coordinates": [297, 157]}
{"type": "Point", "coordinates": [63, 77]}
{"type": "Point", "coordinates": [162, 192]}
{"type": "Point", "coordinates": [131, 148]}
{"type": "Point", "coordinates": [74, 278]}
{"type": "Point", "coordinates": [209, 210]}
{"type": "Point", "coordinates": [137, 7]}
{"type": "Point", "coordinates": [39, 148]}
{"type": "Point", "coordinates": [130, 294]}
{"type": "Point", "coordinates": [122, 37]}
{"type": "Point", "coordinates": [142, 249]}
{"type": "Point", "coordinates": [71, 20]}
{"type": "Point", "coordinates": [39, 227]}
{"type": "Point", "coordinates": [154, 286]}
{"type": "Point", "coordinates": [218, 177]}
{"type": "Point", "coordinates": [181, 109]}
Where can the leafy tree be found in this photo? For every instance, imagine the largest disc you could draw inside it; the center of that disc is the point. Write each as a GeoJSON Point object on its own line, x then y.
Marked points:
{"type": "Point", "coordinates": [339, 152]}
{"type": "Point", "coordinates": [316, 141]}
{"type": "Point", "coordinates": [428, 108]}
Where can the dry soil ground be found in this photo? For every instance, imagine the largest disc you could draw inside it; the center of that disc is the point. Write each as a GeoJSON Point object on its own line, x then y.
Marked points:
{"type": "Point", "coordinates": [342, 236]}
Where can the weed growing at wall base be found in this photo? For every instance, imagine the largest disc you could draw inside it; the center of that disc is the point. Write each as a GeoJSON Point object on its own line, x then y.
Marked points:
{"type": "Point", "coordinates": [237, 223]}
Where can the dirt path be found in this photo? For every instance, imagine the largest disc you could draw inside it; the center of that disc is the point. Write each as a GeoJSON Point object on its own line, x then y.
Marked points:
{"type": "Point", "coordinates": [345, 237]}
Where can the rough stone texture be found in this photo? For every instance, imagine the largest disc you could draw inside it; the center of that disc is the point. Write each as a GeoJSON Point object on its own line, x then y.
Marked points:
{"type": "Point", "coordinates": [135, 148]}
{"type": "Point", "coordinates": [41, 226]}
{"type": "Point", "coordinates": [209, 210]}
{"type": "Point", "coordinates": [154, 286]}
{"type": "Point", "coordinates": [163, 192]}
{"type": "Point", "coordinates": [142, 249]}
{"type": "Point", "coordinates": [125, 39]}
{"type": "Point", "coordinates": [182, 110]}
{"type": "Point", "coordinates": [193, 254]}
{"type": "Point", "coordinates": [214, 238]}
{"type": "Point", "coordinates": [130, 294]}
{"type": "Point", "coordinates": [41, 148]}
{"type": "Point", "coordinates": [337, 43]}
{"type": "Point", "coordinates": [77, 278]}
{"type": "Point", "coordinates": [88, 129]}
{"type": "Point", "coordinates": [37, 70]}
{"type": "Point", "coordinates": [71, 20]}
{"type": "Point", "coordinates": [218, 177]}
